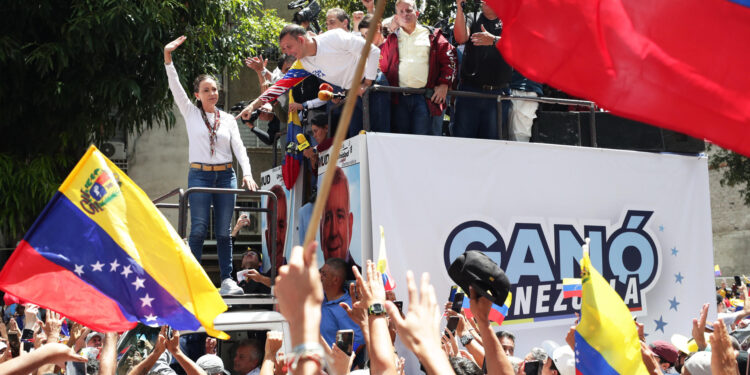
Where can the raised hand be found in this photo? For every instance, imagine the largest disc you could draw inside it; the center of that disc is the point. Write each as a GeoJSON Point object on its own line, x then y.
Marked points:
{"type": "Point", "coordinates": [210, 345]}
{"type": "Point", "coordinates": [699, 328]}
{"type": "Point", "coordinates": [274, 339]}
{"type": "Point", "coordinates": [52, 326]}
{"type": "Point", "coordinates": [723, 358]}
{"type": "Point", "coordinates": [171, 46]}
{"type": "Point", "coordinates": [300, 294]}
{"type": "Point", "coordinates": [173, 344]}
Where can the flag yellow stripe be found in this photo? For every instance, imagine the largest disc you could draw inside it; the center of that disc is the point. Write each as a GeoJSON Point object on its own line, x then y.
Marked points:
{"type": "Point", "coordinates": [607, 325]}
{"type": "Point", "coordinates": [141, 230]}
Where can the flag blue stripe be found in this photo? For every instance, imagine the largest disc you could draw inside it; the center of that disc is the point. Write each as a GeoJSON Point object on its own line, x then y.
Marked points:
{"type": "Point", "coordinates": [67, 237]}
{"type": "Point", "coordinates": [589, 361]}
{"type": "Point", "coordinates": [571, 288]}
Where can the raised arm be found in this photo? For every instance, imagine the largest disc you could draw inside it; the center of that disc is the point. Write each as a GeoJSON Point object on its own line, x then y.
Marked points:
{"type": "Point", "coordinates": [460, 29]}
{"type": "Point", "coordinates": [495, 358]}
{"type": "Point", "coordinates": [178, 92]}
{"type": "Point", "coordinates": [294, 76]}
{"type": "Point", "coordinates": [187, 364]}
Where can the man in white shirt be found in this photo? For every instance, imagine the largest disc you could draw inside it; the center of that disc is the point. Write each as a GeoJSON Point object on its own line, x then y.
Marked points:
{"type": "Point", "coordinates": [331, 56]}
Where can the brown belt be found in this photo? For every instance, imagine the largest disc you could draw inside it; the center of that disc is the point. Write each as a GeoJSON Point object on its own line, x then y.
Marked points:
{"type": "Point", "coordinates": [211, 167]}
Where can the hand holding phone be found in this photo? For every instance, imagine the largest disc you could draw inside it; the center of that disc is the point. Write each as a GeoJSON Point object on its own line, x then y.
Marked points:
{"type": "Point", "coordinates": [345, 340]}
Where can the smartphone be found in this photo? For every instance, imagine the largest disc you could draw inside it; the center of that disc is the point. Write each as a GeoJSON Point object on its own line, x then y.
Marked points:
{"type": "Point", "coordinates": [400, 307]}
{"type": "Point", "coordinates": [170, 333]}
{"type": "Point", "coordinates": [345, 340]}
{"type": "Point", "coordinates": [452, 324]}
{"type": "Point", "coordinates": [458, 302]}
{"type": "Point", "coordinates": [737, 281]}
{"type": "Point", "coordinates": [454, 289]}
{"type": "Point", "coordinates": [14, 342]}
{"type": "Point", "coordinates": [532, 367]}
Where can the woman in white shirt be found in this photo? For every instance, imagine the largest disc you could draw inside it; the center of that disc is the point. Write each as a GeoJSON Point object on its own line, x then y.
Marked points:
{"type": "Point", "coordinates": [212, 138]}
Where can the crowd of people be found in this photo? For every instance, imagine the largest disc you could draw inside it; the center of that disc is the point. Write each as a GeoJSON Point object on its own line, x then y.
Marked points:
{"type": "Point", "coordinates": [318, 302]}
{"type": "Point", "coordinates": [404, 54]}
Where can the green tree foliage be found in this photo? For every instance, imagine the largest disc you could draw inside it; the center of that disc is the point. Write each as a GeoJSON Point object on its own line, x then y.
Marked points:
{"type": "Point", "coordinates": [734, 169]}
{"type": "Point", "coordinates": [76, 71]}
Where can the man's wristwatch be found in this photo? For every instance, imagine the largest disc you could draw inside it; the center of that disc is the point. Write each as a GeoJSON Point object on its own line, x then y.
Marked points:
{"type": "Point", "coordinates": [466, 339]}
{"type": "Point", "coordinates": [495, 39]}
{"type": "Point", "coordinates": [376, 309]}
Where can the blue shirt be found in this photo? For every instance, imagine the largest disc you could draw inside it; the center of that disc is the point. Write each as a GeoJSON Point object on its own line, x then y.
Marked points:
{"type": "Point", "coordinates": [333, 318]}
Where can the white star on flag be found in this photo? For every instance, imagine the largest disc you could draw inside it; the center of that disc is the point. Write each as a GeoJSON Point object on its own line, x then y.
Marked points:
{"type": "Point", "coordinates": [114, 266]}
{"type": "Point", "coordinates": [138, 283]}
{"type": "Point", "coordinates": [79, 270]}
{"type": "Point", "coordinates": [150, 317]}
{"type": "Point", "coordinates": [97, 266]}
{"type": "Point", "coordinates": [126, 271]}
{"type": "Point", "coordinates": [146, 301]}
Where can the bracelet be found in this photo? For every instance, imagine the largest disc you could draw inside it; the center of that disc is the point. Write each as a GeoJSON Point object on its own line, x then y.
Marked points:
{"type": "Point", "coordinates": [307, 351]}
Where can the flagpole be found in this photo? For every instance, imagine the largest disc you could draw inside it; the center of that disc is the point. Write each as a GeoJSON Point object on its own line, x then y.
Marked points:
{"type": "Point", "coordinates": [343, 126]}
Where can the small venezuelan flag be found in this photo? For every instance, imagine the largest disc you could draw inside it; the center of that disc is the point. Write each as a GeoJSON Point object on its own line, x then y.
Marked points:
{"type": "Point", "coordinates": [717, 271]}
{"type": "Point", "coordinates": [606, 339]}
{"type": "Point", "coordinates": [103, 255]}
{"type": "Point", "coordinates": [497, 313]}
{"type": "Point", "coordinates": [571, 287]}
{"type": "Point", "coordinates": [383, 268]}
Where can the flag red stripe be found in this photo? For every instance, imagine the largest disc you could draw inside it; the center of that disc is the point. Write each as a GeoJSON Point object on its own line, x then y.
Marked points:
{"type": "Point", "coordinates": [32, 276]}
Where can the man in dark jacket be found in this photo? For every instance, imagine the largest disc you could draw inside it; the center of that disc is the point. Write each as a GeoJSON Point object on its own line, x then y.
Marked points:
{"type": "Point", "coordinates": [483, 70]}
{"type": "Point", "coordinates": [417, 56]}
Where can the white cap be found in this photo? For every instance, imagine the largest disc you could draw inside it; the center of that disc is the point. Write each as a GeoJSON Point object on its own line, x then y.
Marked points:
{"type": "Point", "coordinates": [565, 360]}
{"type": "Point", "coordinates": [211, 364]}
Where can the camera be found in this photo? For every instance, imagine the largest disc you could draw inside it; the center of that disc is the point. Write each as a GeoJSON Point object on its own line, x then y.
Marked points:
{"type": "Point", "coordinates": [307, 13]}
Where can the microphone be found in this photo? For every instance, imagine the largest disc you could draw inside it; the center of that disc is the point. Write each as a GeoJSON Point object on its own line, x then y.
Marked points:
{"type": "Point", "coordinates": [303, 143]}
{"type": "Point", "coordinates": [326, 95]}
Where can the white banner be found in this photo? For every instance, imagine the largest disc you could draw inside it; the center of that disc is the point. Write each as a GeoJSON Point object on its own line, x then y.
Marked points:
{"type": "Point", "coordinates": [529, 206]}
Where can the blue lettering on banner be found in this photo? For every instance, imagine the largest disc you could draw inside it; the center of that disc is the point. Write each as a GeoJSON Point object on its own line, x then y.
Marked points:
{"type": "Point", "coordinates": [628, 258]}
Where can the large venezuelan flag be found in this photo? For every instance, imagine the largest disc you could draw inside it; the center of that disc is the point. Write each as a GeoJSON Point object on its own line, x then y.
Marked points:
{"type": "Point", "coordinates": [606, 338]}
{"type": "Point", "coordinates": [103, 255]}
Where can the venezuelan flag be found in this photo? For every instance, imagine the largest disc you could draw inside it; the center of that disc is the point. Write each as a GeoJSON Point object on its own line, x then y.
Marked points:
{"type": "Point", "coordinates": [103, 255]}
{"type": "Point", "coordinates": [293, 76]}
{"type": "Point", "coordinates": [717, 271]}
{"type": "Point", "coordinates": [383, 268]}
{"type": "Point", "coordinates": [571, 287]}
{"type": "Point", "coordinates": [606, 338]}
{"type": "Point", "coordinates": [497, 313]}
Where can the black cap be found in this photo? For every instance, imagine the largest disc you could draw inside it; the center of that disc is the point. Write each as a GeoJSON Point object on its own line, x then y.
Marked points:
{"type": "Point", "coordinates": [474, 268]}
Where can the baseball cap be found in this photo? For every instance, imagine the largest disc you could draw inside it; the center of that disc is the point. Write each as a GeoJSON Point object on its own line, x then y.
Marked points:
{"type": "Point", "coordinates": [211, 364]}
{"type": "Point", "coordinates": [665, 350]}
{"type": "Point", "coordinates": [474, 268]}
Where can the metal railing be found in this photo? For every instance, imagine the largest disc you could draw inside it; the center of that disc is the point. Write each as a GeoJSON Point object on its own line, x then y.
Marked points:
{"type": "Point", "coordinates": [470, 94]}
{"type": "Point", "coordinates": [183, 206]}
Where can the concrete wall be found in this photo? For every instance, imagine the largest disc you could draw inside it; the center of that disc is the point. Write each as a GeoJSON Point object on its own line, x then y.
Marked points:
{"type": "Point", "coordinates": [731, 227]}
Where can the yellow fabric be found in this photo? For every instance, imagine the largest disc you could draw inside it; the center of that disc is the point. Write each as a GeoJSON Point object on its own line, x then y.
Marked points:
{"type": "Point", "coordinates": [606, 323]}
{"type": "Point", "coordinates": [414, 57]}
{"type": "Point", "coordinates": [139, 228]}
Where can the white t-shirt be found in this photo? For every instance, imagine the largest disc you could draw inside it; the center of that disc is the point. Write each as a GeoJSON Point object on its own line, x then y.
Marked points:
{"type": "Point", "coordinates": [199, 148]}
{"type": "Point", "coordinates": [337, 56]}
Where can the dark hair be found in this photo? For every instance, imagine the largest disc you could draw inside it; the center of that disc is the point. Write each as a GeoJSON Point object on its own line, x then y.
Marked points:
{"type": "Point", "coordinates": [340, 15]}
{"type": "Point", "coordinates": [505, 334]}
{"type": "Point", "coordinates": [285, 59]}
{"type": "Point", "coordinates": [196, 87]}
{"type": "Point", "coordinates": [293, 30]}
{"type": "Point", "coordinates": [463, 366]}
{"type": "Point", "coordinates": [339, 265]}
{"type": "Point", "coordinates": [365, 23]}
{"type": "Point", "coordinates": [319, 119]}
